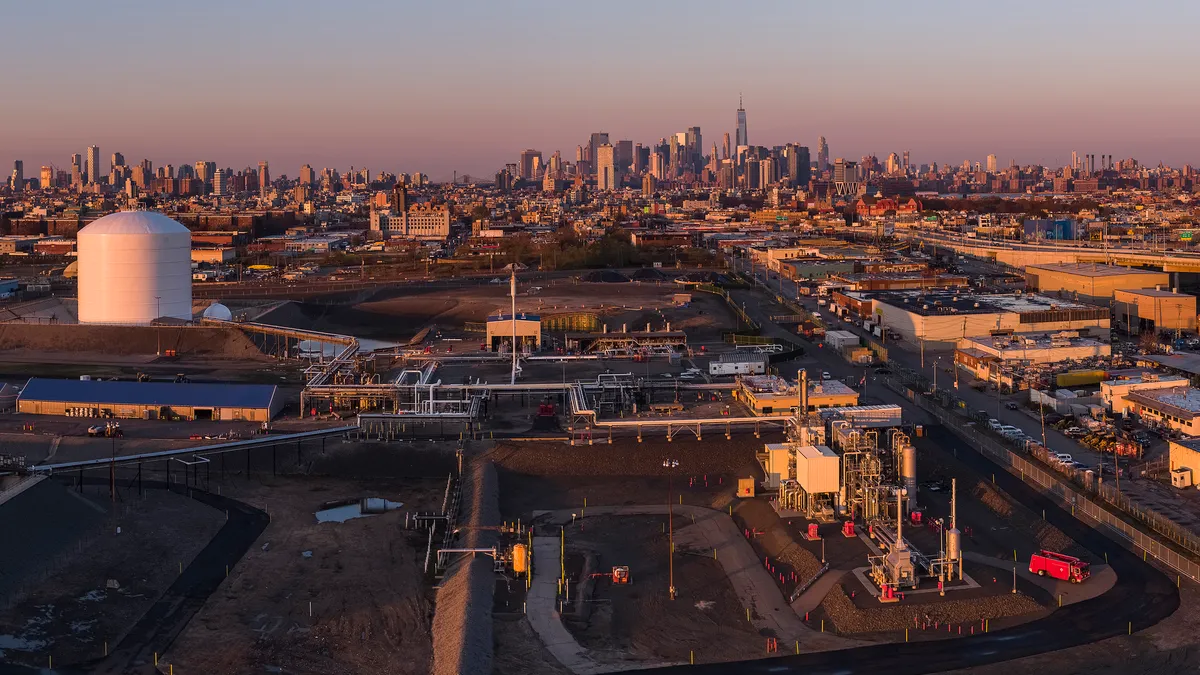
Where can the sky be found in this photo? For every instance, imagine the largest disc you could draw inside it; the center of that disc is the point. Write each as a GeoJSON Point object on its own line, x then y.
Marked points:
{"type": "Point", "coordinates": [464, 86]}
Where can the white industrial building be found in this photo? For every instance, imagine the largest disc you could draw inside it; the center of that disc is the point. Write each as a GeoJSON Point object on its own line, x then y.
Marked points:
{"type": "Point", "coordinates": [1036, 347]}
{"type": "Point", "coordinates": [134, 267]}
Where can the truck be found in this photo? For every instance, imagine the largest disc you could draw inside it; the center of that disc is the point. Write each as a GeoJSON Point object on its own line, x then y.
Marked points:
{"type": "Point", "coordinates": [1059, 566]}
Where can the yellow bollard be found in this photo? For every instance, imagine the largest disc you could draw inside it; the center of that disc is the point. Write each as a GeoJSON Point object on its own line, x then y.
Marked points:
{"type": "Point", "coordinates": [906, 635]}
{"type": "Point", "coordinates": [797, 646]}
{"type": "Point", "coordinates": [156, 658]}
{"type": "Point", "coordinates": [1060, 599]}
{"type": "Point", "coordinates": [986, 624]}
{"type": "Point", "coordinates": [692, 657]}
{"type": "Point", "coordinates": [822, 625]}
{"type": "Point", "coordinates": [747, 613]}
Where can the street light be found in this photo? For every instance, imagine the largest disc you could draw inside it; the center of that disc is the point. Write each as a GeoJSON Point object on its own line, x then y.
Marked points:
{"type": "Point", "coordinates": [670, 464]}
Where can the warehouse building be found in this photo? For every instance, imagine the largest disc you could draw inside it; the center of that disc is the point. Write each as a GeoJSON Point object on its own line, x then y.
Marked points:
{"type": "Point", "coordinates": [1090, 281]}
{"type": "Point", "coordinates": [1177, 408]}
{"type": "Point", "coordinates": [941, 319]}
{"type": "Point", "coordinates": [1036, 347]}
{"type": "Point", "coordinates": [1153, 309]}
{"type": "Point", "coordinates": [1114, 392]}
{"type": "Point", "coordinates": [150, 400]}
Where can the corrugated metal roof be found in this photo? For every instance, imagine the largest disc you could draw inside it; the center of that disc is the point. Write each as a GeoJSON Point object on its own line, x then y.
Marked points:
{"type": "Point", "coordinates": [199, 395]}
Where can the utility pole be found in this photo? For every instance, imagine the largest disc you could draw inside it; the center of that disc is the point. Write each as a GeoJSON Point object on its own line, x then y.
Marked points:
{"type": "Point", "coordinates": [669, 465]}
{"type": "Point", "coordinates": [513, 293]}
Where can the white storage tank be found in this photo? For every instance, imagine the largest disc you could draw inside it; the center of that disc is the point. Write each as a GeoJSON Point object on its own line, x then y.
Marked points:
{"type": "Point", "coordinates": [134, 267]}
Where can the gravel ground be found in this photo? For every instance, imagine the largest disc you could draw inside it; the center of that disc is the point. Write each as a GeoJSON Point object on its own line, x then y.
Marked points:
{"type": "Point", "coordinates": [462, 622]}
{"type": "Point", "coordinates": [849, 619]}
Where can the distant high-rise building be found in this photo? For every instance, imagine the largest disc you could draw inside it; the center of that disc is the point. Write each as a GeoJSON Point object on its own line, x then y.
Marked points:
{"type": "Point", "coordinates": [725, 150]}
{"type": "Point", "coordinates": [741, 124]}
{"type": "Point", "coordinates": [845, 177]}
{"type": "Point", "coordinates": [93, 164]}
{"type": "Point", "coordinates": [527, 166]}
{"type": "Point", "coordinates": [892, 165]}
{"type": "Point", "coordinates": [822, 154]}
{"type": "Point", "coordinates": [1075, 159]}
{"type": "Point", "coordinates": [799, 171]}
{"type": "Point", "coordinates": [906, 161]}
{"type": "Point", "coordinates": [18, 176]}
{"type": "Point", "coordinates": [46, 180]}
{"type": "Point", "coordinates": [220, 183]}
{"type": "Point", "coordinates": [623, 156]}
{"type": "Point", "coordinates": [639, 164]}
{"type": "Point", "coordinates": [205, 172]}
{"type": "Point", "coordinates": [993, 163]}
{"type": "Point", "coordinates": [767, 173]}
{"type": "Point", "coordinates": [118, 159]}
{"type": "Point", "coordinates": [694, 148]}
{"type": "Point", "coordinates": [599, 138]}
{"type": "Point", "coordinates": [648, 184]}
{"type": "Point", "coordinates": [606, 169]}
{"type": "Point", "coordinates": [264, 179]}
{"type": "Point", "coordinates": [308, 176]}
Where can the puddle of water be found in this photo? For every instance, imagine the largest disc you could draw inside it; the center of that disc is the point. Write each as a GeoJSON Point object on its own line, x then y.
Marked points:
{"type": "Point", "coordinates": [364, 507]}
{"type": "Point", "coordinates": [20, 644]}
{"type": "Point", "coordinates": [92, 596]}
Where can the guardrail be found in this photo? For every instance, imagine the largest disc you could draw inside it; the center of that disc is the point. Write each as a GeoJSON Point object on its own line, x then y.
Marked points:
{"type": "Point", "coordinates": [1068, 494]}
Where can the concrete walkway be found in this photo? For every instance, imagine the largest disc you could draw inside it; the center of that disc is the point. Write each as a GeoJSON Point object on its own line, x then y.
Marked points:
{"type": "Point", "coordinates": [541, 608]}
{"type": "Point", "coordinates": [1103, 577]}
{"type": "Point", "coordinates": [812, 597]}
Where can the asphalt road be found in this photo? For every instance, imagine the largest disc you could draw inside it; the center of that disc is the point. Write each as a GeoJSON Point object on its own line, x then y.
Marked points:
{"type": "Point", "coordinates": [1142, 597]}
{"type": "Point", "coordinates": [167, 617]}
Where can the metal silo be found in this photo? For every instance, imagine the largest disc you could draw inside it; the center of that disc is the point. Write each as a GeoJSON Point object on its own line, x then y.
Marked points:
{"type": "Point", "coordinates": [134, 267]}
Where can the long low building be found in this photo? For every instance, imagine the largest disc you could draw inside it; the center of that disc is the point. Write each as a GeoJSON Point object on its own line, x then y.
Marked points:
{"type": "Point", "coordinates": [150, 400]}
{"type": "Point", "coordinates": [946, 317]}
{"type": "Point", "coordinates": [1090, 281]}
{"type": "Point", "coordinates": [1154, 309]}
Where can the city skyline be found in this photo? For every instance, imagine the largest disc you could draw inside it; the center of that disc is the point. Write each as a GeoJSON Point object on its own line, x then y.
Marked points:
{"type": "Point", "coordinates": [947, 83]}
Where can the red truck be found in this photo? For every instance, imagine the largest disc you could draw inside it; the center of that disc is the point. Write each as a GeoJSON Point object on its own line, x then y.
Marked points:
{"type": "Point", "coordinates": [1059, 566]}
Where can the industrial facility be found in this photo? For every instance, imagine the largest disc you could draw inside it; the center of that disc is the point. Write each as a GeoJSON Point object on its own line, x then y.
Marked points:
{"type": "Point", "coordinates": [1090, 281]}
{"type": "Point", "coordinates": [134, 267]}
{"type": "Point", "coordinates": [1144, 310]}
{"type": "Point", "coordinates": [150, 400]}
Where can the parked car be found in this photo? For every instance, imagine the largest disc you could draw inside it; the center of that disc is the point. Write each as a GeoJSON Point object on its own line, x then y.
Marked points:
{"type": "Point", "coordinates": [1063, 458]}
{"type": "Point", "coordinates": [1076, 432]}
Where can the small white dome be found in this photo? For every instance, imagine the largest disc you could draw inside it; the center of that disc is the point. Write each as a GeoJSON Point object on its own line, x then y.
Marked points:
{"type": "Point", "coordinates": [134, 222]}
{"type": "Point", "coordinates": [219, 312]}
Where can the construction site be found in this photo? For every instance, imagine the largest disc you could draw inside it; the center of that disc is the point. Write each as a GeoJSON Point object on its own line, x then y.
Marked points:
{"type": "Point", "coordinates": [582, 478]}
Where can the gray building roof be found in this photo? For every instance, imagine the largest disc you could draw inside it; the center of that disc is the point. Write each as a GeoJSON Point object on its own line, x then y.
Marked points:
{"type": "Point", "coordinates": [193, 395]}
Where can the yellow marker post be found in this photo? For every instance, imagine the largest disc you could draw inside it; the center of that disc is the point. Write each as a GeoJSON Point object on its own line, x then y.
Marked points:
{"type": "Point", "coordinates": [747, 613]}
{"type": "Point", "coordinates": [692, 657]}
{"type": "Point", "coordinates": [797, 646]}
{"type": "Point", "coordinates": [822, 625]}
{"type": "Point", "coordinates": [906, 635]}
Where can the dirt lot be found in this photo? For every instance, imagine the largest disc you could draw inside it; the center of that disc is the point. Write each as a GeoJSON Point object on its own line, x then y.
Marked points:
{"type": "Point", "coordinates": [370, 606]}
{"type": "Point", "coordinates": [71, 612]}
{"type": "Point", "coordinates": [638, 622]}
{"type": "Point", "coordinates": [551, 475]}
{"type": "Point", "coordinates": [398, 314]}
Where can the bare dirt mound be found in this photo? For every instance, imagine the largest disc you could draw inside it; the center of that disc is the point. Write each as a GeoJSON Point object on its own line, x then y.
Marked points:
{"type": "Point", "coordinates": [130, 340]}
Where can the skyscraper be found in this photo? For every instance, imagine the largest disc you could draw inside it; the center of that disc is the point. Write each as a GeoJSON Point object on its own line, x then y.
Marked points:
{"type": "Point", "coordinates": [307, 175]}
{"type": "Point", "coordinates": [93, 164]}
{"type": "Point", "coordinates": [18, 176]}
{"type": "Point", "coordinates": [623, 155]}
{"type": "Point", "coordinates": [606, 170]}
{"type": "Point", "coordinates": [206, 171]}
{"type": "Point", "coordinates": [822, 154]}
{"type": "Point", "coordinates": [992, 163]}
{"type": "Point", "coordinates": [530, 159]}
{"type": "Point", "coordinates": [695, 148]}
{"type": "Point", "coordinates": [599, 138]}
{"type": "Point", "coordinates": [725, 147]}
{"type": "Point", "coordinates": [264, 179]}
{"type": "Point", "coordinates": [741, 124]}
{"type": "Point", "coordinates": [47, 178]}
{"type": "Point", "coordinates": [798, 168]}
{"type": "Point", "coordinates": [220, 183]}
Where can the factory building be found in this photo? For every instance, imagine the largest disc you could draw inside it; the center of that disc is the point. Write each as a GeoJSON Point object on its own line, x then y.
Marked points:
{"type": "Point", "coordinates": [528, 331]}
{"type": "Point", "coordinates": [1033, 348]}
{"type": "Point", "coordinates": [942, 319]}
{"type": "Point", "coordinates": [1090, 281]}
{"type": "Point", "coordinates": [1177, 408]}
{"type": "Point", "coordinates": [774, 396]}
{"type": "Point", "coordinates": [150, 400]}
{"type": "Point", "coordinates": [1153, 309]}
{"type": "Point", "coordinates": [1114, 392]}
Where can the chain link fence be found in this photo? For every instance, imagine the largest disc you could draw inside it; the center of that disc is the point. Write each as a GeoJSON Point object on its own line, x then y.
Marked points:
{"type": "Point", "coordinates": [1078, 499]}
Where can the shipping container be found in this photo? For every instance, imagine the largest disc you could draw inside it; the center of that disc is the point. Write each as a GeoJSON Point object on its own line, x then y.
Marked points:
{"type": "Point", "coordinates": [1075, 378]}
